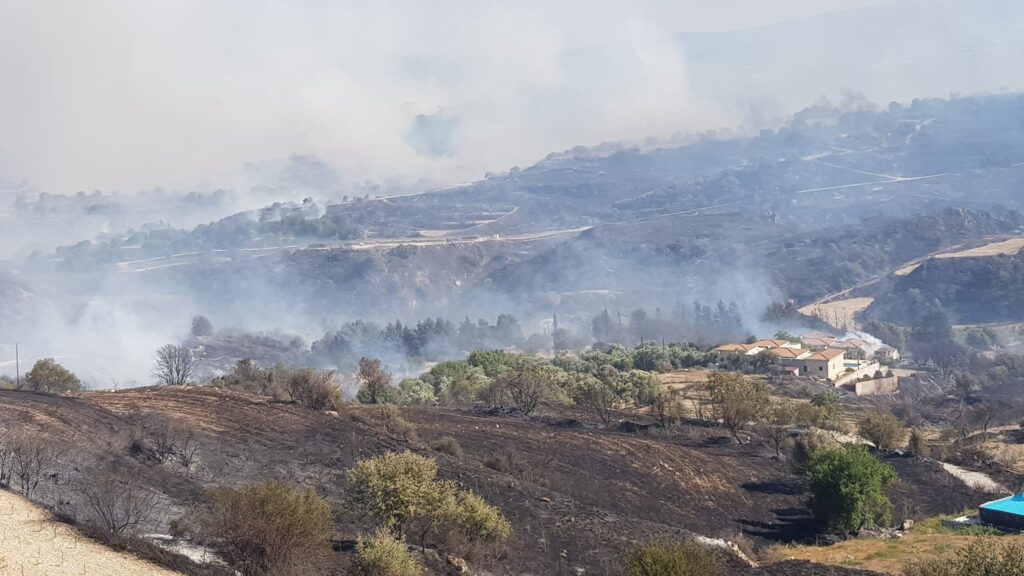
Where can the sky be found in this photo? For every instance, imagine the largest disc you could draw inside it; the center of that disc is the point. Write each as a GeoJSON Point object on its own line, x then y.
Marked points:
{"type": "Point", "coordinates": [121, 95]}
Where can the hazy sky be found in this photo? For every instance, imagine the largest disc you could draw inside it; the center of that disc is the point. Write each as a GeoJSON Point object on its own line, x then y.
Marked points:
{"type": "Point", "coordinates": [120, 95]}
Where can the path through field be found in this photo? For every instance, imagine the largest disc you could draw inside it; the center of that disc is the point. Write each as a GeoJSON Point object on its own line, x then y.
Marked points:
{"type": "Point", "coordinates": [33, 544]}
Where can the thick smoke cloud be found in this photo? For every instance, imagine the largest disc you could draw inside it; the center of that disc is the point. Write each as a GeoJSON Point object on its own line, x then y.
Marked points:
{"type": "Point", "coordinates": [122, 95]}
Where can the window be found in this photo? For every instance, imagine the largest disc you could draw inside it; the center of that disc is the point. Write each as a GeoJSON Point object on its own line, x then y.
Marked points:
{"type": "Point", "coordinates": [820, 368]}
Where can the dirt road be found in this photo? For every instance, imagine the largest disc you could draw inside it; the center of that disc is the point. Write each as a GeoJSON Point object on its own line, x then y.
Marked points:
{"type": "Point", "coordinates": [33, 544]}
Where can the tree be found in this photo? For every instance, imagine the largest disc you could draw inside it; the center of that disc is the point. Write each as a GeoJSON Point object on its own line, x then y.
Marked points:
{"type": "Point", "coordinates": [175, 365]}
{"type": "Point", "coordinates": [671, 559]}
{"type": "Point", "coordinates": [831, 411]}
{"type": "Point", "coordinates": [526, 385]}
{"type": "Point", "coordinates": [882, 429]}
{"type": "Point", "coordinates": [736, 400]}
{"type": "Point", "coordinates": [30, 457]}
{"type": "Point", "coordinates": [201, 326]}
{"type": "Point", "coordinates": [376, 383]}
{"type": "Point", "coordinates": [983, 413]}
{"type": "Point", "coordinates": [49, 376]}
{"type": "Point", "coordinates": [593, 394]}
{"type": "Point", "coordinates": [776, 420]}
{"type": "Point", "coordinates": [384, 555]}
{"type": "Point", "coordinates": [270, 529]}
{"type": "Point", "coordinates": [848, 488]}
{"type": "Point", "coordinates": [917, 444]}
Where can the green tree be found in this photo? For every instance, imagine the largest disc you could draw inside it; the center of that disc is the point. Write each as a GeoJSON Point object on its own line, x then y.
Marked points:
{"type": "Point", "coordinates": [416, 391]}
{"type": "Point", "coordinates": [848, 488]}
{"type": "Point", "coordinates": [831, 411]}
{"type": "Point", "coordinates": [882, 429]}
{"type": "Point", "coordinates": [736, 400]}
{"type": "Point", "coordinates": [49, 376]}
{"type": "Point", "coordinates": [593, 394]}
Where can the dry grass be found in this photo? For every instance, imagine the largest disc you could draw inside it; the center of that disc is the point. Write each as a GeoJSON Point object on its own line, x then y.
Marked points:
{"type": "Point", "coordinates": [33, 543]}
{"type": "Point", "coordinates": [1009, 247]}
{"type": "Point", "coordinates": [839, 313]}
{"type": "Point", "coordinates": [882, 555]}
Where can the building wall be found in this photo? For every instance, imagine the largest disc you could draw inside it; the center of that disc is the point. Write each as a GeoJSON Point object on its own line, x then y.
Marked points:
{"type": "Point", "coordinates": [876, 387]}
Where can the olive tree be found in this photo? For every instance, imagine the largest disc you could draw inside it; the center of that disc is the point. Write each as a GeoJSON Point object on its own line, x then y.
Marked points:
{"type": "Point", "coordinates": [737, 401]}
{"type": "Point", "coordinates": [49, 376]}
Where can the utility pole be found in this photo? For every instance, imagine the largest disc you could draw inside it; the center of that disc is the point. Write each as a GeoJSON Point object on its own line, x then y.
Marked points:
{"type": "Point", "coordinates": [17, 362]}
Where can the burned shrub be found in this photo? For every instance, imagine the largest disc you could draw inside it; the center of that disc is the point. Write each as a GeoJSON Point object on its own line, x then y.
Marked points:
{"type": "Point", "coordinates": [270, 529]}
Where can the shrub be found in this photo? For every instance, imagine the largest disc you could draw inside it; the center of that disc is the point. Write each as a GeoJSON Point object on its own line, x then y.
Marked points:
{"type": "Point", "coordinates": [883, 430]}
{"type": "Point", "coordinates": [117, 501]}
{"type": "Point", "coordinates": [671, 559]}
{"type": "Point", "coordinates": [394, 488]}
{"type": "Point", "coordinates": [270, 529]}
{"type": "Point", "coordinates": [917, 444]}
{"type": "Point", "coordinates": [314, 390]}
{"type": "Point", "coordinates": [394, 424]}
{"type": "Point", "coordinates": [848, 489]}
{"type": "Point", "coordinates": [449, 446]}
{"type": "Point", "coordinates": [981, 557]}
{"type": "Point", "coordinates": [416, 392]}
{"type": "Point", "coordinates": [403, 492]}
{"type": "Point", "coordinates": [49, 376]}
{"type": "Point", "coordinates": [384, 555]}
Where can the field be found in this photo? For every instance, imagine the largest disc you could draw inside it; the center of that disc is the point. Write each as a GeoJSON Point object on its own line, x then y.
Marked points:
{"type": "Point", "coordinates": [839, 313]}
{"type": "Point", "coordinates": [32, 543]}
{"type": "Point", "coordinates": [1009, 247]}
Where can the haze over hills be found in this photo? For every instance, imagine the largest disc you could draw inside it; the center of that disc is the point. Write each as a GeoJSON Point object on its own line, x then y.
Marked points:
{"type": "Point", "coordinates": [833, 198]}
{"type": "Point", "coordinates": [513, 288]}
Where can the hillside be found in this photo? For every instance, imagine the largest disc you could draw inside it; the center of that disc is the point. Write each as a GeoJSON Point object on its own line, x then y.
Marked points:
{"type": "Point", "coordinates": [577, 495]}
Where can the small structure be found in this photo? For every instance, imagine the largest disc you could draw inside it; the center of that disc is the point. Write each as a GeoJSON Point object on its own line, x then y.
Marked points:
{"type": "Point", "coordinates": [1006, 512]}
{"type": "Point", "coordinates": [887, 354]}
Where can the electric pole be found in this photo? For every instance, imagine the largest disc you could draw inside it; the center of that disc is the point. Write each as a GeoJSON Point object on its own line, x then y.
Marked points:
{"type": "Point", "coordinates": [17, 363]}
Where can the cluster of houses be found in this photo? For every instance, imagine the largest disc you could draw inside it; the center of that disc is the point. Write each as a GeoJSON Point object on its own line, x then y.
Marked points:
{"type": "Point", "coordinates": [819, 355]}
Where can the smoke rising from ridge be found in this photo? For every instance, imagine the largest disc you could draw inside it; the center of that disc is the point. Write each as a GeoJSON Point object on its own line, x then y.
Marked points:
{"type": "Point", "coordinates": [123, 95]}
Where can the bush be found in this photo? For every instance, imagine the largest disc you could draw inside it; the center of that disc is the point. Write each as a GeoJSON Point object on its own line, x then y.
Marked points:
{"type": "Point", "coordinates": [671, 559]}
{"type": "Point", "coordinates": [395, 425]}
{"type": "Point", "coordinates": [403, 492]}
{"type": "Point", "coordinates": [49, 376]}
{"type": "Point", "coordinates": [270, 529]}
{"type": "Point", "coordinates": [314, 390]}
{"type": "Point", "coordinates": [981, 557]}
{"type": "Point", "coordinates": [416, 392]}
{"type": "Point", "coordinates": [384, 555]}
{"type": "Point", "coordinates": [848, 489]}
{"type": "Point", "coordinates": [883, 430]}
{"type": "Point", "coordinates": [449, 446]}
